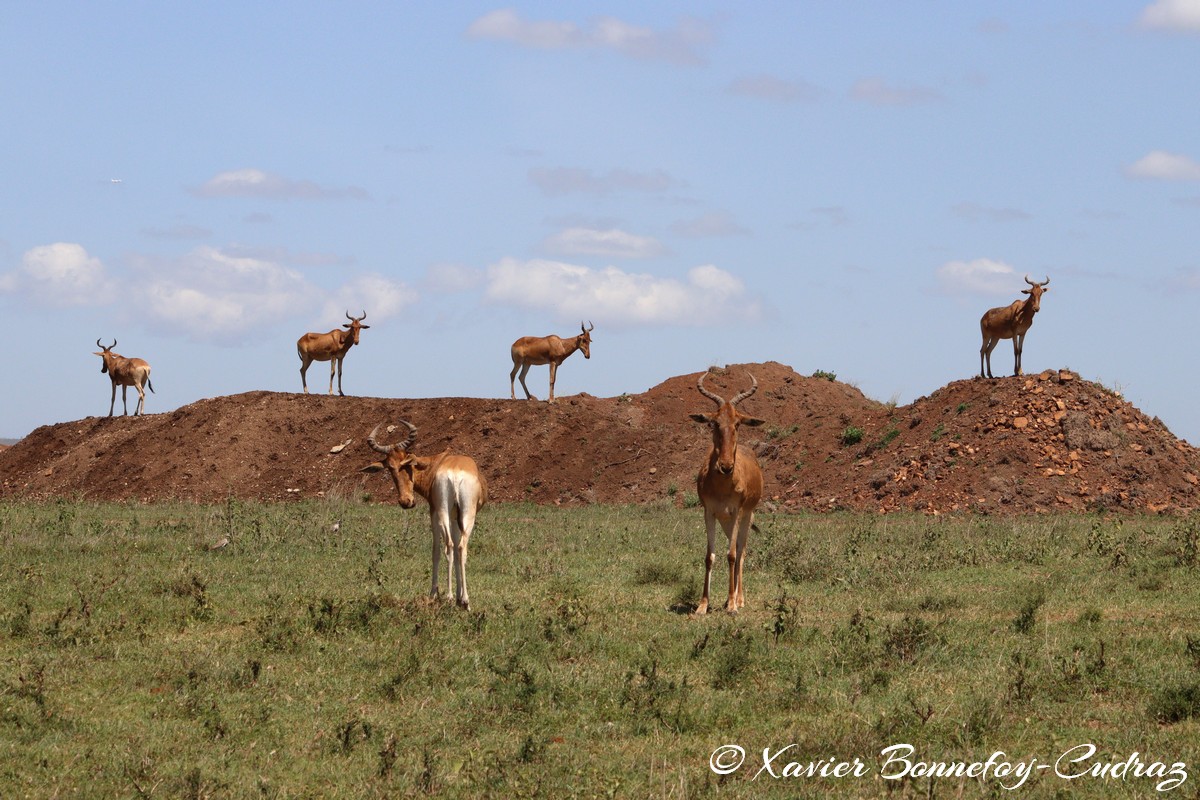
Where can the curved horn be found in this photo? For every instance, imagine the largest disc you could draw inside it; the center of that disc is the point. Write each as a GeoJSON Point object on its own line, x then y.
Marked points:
{"type": "Point", "coordinates": [99, 345]}
{"type": "Point", "coordinates": [356, 319]}
{"type": "Point", "coordinates": [590, 327]}
{"type": "Point", "coordinates": [387, 449]}
{"type": "Point", "coordinates": [1046, 282]}
{"type": "Point", "coordinates": [740, 396]}
{"type": "Point", "coordinates": [110, 347]}
{"type": "Point", "coordinates": [716, 398]}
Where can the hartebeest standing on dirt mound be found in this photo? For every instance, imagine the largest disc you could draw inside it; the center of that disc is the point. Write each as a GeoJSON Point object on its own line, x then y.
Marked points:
{"type": "Point", "coordinates": [533, 351]}
{"type": "Point", "coordinates": [1010, 322]}
{"type": "Point", "coordinates": [331, 347]}
{"type": "Point", "coordinates": [730, 484]}
{"type": "Point", "coordinates": [125, 372]}
{"type": "Point", "coordinates": [455, 491]}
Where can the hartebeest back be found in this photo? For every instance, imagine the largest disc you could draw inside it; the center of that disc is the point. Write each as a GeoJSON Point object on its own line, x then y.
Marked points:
{"type": "Point", "coordinates": [730, 484]}
{"type": "Point", "coordinates": [455, 491]}
{"type": "Point", "coordinates": [331, 347]}
{"type": "Point", "coordinates": [533, 351]}
{"type": "Point", "coordinates": [125, 372]}
{"type": "Point", "coordinates": [1010, 322]}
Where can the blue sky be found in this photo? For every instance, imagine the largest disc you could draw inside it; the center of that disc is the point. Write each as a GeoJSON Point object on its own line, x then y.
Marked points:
{"type": "Point", "coordinates": [835, 186]}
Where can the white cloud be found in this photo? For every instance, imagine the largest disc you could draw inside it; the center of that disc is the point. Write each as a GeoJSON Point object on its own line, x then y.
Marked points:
{"type": "Point", "coordinates": [769, 87]}
{"type": "Point", "coordinates": [716, 223]}
{"type": "Point", "coordinates": [381, 297]}
{"type": "Point", "coordinates": [878, 92]}
{"type": "Point", "coordinates": [60, 275]}
{"type": "Point", "coordinates": [452, 278]}
{"type": "Point", "coordinates": [680, 45]}
{"type": "Point", "coordinates": [257, 183]}
{"type": "Point", "coordinates": [1162, 165]}
{"type": "Point", "coordinates": [1172, 15]}
{"type": "Point", "coordinates": [981, 276]}
{"type": "Point", "coordinates": [211, 295]}
{"type": "Point", "coordinates": [613, 243]}
{"type": "Point", "coordinates": [708, 296]}
{"type": "Point", "coordinates": [565, 180]}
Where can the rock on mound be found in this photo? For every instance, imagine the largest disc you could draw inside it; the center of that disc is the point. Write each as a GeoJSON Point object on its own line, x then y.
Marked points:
{"type": "Point", "coordinates": [1012, 445]}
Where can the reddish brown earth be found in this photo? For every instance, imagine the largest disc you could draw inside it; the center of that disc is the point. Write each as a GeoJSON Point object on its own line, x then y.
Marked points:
{"type": "Point", "coordinates": [1012, 445]}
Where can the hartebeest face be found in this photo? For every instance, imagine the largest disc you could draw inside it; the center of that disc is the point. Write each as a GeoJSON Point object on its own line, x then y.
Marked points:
{"type": "Point", "coordinates": [355, 326]}
{"type": "Point", "coordinates": [585, 341]}
{"type": "Point", "coordinates": [399, 464]}
{"type": "Point", "coordinates": [724, 424]}
{"type": "Point", "coordinates": [1035, 292]}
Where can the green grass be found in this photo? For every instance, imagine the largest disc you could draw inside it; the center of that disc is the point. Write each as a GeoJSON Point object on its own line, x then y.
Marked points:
{"type": "Point", "coordinates": [300, 662]}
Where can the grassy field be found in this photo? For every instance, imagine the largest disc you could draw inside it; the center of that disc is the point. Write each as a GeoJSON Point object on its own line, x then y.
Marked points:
{"type": "Point", "coordinates": [302, 662]}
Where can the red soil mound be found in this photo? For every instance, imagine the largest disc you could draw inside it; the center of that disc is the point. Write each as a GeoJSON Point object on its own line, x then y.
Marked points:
{"type": "Point", "coordinates": [1011, 445]}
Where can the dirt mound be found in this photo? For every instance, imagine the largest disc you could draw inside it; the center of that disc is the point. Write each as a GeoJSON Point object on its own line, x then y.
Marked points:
{"type": "Point", "coordinates": [1012, 445]}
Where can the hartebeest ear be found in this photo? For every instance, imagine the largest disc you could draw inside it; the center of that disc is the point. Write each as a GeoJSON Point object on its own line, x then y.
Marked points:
{"type": "Point", "coordinates": [1027, 291]}
{"type": "Point", "coordinates": [703, 419]}
{"type": "Point", "coordinates": [753, 422]}
{"type": "Point", "coordinates": [364, 327]}
{"type": "Point", "coordinates": [376, 466]}
{"type": "Point", "coordinates": [347, 324]}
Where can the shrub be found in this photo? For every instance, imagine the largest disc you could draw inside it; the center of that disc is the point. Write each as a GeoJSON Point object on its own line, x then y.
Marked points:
{"type": "Point", "coordinates": [852, 435]}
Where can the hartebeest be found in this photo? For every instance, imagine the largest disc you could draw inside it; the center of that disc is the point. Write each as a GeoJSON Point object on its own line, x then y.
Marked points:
{"type": "Point", "coordinates": [455, 491]}
{"type": "Point", "coordinates": [730, 485]}
{"type": "Point", "coordinates": [331, 347]}
{"type": "Point", "coordinates": [1010, 322]}
{"type": "Point", "coordinates": [533, 351]}
{"type": "Point", "coordinates": [125, 372]}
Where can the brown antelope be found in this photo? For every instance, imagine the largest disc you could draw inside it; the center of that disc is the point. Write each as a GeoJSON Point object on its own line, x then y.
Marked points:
{"type": "Point", "coordinates": [455, 491]}
{"type": "Point", "coordinates": [1010, 322]}
{"type": "Point", "coordinates": [125, 372]}
{"type": "Point", "coordinates": [331, 347]}
{"type": "Point", "coordinates": [533, 351]}
{"type": "Point", "coordinates": [730, 485]}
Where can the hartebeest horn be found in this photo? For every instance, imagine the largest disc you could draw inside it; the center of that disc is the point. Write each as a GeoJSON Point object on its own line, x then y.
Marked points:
{"type": "Point", "coordinates": [110, 347]}
{"type": "Point", "coordinates": [387, 449]}
{"type": "Point", "coordinates": [356, 319]}
{"type": "Point", "coordinates": [1043, 283]}
{"type": "Point", "coordinates": [716, 398]}
{"type": "Point", "coordinates": [590, 327]}
{"type": "Point", "coordinates": [740, 396]}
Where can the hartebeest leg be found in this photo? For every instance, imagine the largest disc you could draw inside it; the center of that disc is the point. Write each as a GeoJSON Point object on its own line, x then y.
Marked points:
{"type": "Point", "coordinates": [1018, 346]}
{"type": "Point", "coordinates": [141, 404]}
{"type": "Point", "coordinates": [524, 372]}
{"type": "Point", "coordinates": [710, 556]}
{"type": "Point", "coordinates": [986, 352]}
{"type": "Point", "coordinates": [744, 522]}
{"type": "Point", "coordinates": [113, 401]}
{"type": "Point", "coordinates": [731, 604]}
{"type": "Point", "coordinates": [466, 524]}
{"type": "Point", "coordinates": [512, 380]}
{"type": "Point", "coordinates": [553, 374]}
{"type": "Point", "coordinates": [125, 401]}
{"type": "Point", "coordinates": [437, 526]}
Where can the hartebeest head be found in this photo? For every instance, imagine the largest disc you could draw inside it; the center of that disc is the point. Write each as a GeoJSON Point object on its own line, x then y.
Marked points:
{"type": "Point", "coordinates": [398, 462]}
{"type": "Point", "coordinates": [725, 422]}
{"type": "Point", "coordinates": [1035, 292]}
{"type": "Point", "coordinates": [355, 325]}
{"type": "Point", "coordinates": [105, 354]}
{"type": "Point", "coordinates": [585, 339]}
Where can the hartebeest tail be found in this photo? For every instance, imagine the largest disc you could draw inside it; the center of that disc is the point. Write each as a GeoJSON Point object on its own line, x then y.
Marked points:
{"type": "Point", "coordinates": [331, 347]}
{"type": "Point", "coordinates": [533, 351]}
{"type": "Point", "coordinates": [455, 491]}
{"type": "Point", "coordinates": [125, 372]}
{"type": "Point", "coordinates": [1010, 322]}
{"type": "Point", "coordinates": [730, 484]}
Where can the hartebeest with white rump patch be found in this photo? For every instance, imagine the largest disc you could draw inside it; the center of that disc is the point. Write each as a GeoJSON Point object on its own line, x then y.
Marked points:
{"type": "Point", "coordinates": [331, 347]}
{"type": "Point", "coordinates": [455, 491]}
{"type": "Point", "coordinates": [730, 484]}
{"type": "Point", "coordinates": [125, 372]}
{"type": "Point", "coordinates": [534, 351]}
{"type": "Point", "coordinates": [1010, 322]}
